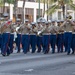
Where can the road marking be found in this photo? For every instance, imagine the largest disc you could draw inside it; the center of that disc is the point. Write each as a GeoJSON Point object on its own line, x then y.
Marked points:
{"type": "Point", "coordinates": [29, 70]}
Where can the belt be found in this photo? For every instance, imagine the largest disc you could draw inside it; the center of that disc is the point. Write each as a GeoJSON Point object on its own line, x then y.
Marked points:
{"type": "Point", "coordinates": [59, 33]}
{"type": "Point", "coordinates": [67, 31]}
{"type": "Point", "coordinates": [19, 33]}
{"type": "Point", "coordinates": [33, 34]}
{"type": "Point", "coordinates": [73, 32]}
{"type": "Point", "coordinates": [53, 33]}
{"type": "Point", "coordinates": [45, 34]}
{"type": "Point", "coordinates": [25, 33]}
{"type": "Point", "coordinates": [12, 33]}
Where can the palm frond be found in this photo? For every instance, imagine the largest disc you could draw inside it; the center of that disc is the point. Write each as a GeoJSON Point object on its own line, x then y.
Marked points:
{"type": "Point", "coordinates": [1, 3]}
{"type": "Point", "coordinates": [72, 6]}
{"type": "Point", "coordinates": [52, 9]}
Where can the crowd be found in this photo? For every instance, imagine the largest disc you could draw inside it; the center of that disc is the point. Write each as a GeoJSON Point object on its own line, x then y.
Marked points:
{"type": "Point", "coordinates": [41, 35]}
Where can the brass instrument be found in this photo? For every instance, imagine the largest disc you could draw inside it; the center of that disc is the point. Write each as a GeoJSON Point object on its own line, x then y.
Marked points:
{"type": "Point", "coordinates": [5, 25]}
{"type": "Point", "coordinates": [40, 32]}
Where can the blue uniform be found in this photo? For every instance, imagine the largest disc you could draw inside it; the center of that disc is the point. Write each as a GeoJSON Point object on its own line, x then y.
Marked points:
{"type": "Point", "coordinates": [68, 36]}
{"type": "Point", "coordinates": [33, 37]}
{"type": "Point", "coordinates": [25, 37]}
{"type": "Point", "coordinates": [11, 42]}
{"type": "Point", "coordinates": [5, 44]}
{"type": "Point", "coordinates": [53, 37]}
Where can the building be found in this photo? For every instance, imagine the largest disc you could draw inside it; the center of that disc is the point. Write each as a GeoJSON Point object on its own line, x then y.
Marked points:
{"type": "Point", "coordinates": [31, 11]}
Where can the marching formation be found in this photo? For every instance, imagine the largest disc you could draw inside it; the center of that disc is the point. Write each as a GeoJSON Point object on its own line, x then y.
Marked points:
{"type": "Point", "coordinates": [42, 35]}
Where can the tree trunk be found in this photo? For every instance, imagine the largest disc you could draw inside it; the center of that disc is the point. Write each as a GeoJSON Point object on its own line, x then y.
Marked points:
{"type": "Point", "coordinates": [47, 9]}
{"type": "Point", "coordinates": [44, 9]}
{"type": "Point", "coordinates": [63, 10]}
{"type": "Point", "coordinates": [23, 11]}
{"type": "Point", "coordinates": [4, 6]}
{"type": "Point", "coordinates": [15, 9]}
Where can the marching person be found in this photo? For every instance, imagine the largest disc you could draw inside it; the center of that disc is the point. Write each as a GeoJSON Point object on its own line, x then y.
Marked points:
{"type": "Point", "coordinates": [33, 38]}
{"type": "Point", "coordinates": [53, 37]}
{"type": "Point", "coordinates": [45, 33]}
{"type": "Point", "coordinates": [6, 36]}
{"type": "Point", "coordinates": [11, 37]}
{"type": "Point", "coordinates": [39, 37]}
{"type": "Point", "coordinates": [73, 39]}
{"type": "Point", "coordinates": [19, 37]}
{"type": "Point", "coordinates": [68, 28]}
{"type": "Point", "coordinates": [1, 19]}
{"type": "Point", "coordinates": [25, 30]}
{"type": "Point", "coordinates": [59, 37]}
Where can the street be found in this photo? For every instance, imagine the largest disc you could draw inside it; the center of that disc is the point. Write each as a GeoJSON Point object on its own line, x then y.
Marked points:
{"type": "Point", "coordinates": [37, 64]}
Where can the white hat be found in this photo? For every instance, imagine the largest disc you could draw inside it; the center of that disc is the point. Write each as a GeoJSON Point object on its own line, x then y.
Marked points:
{"type": "Point", "coordinates": [5, 15]}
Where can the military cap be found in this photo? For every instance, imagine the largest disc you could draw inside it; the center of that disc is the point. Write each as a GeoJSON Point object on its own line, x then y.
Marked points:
{"type": "Point", "coordinates": [33, 23]}
{"type": "Point", "coordinates": [46, 22]}
{"type": "Point", "coordinates": [58, 21]}
{"type": "Point", "coordinates": [62, 21]}
{"type": "Point", "coordinates": [43, 21]}
{"type": "Point", "coordinates": [26, 20]}
{"type": "Point", "coordinates": [53, 21]}
{"type": "Point", "coordinates": [38, 21]}
{"type": "Point", "coordinates": [49, 21]}
{"type": "Point", "coordinates": [1, 18]}
{"type": "Point", "coordinates": [10, 20]}
{"type": "Point", "coordinates": [5, 14]}
{"type": "Point", "coordinates": [18, 19]}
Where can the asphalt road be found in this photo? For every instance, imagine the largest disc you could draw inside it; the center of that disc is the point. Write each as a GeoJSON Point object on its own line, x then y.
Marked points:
{"type": "Point", "coordinates": [37, 64]}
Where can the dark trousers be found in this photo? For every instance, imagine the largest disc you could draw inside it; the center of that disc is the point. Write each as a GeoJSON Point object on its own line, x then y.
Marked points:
{"type": "Point", "coordinates": [33, 42]}
{"type": "Point", "coordinates": [45, 43]}
{"type": "Point", "coordinates": [18, 41]}
{"type": "Point", "coordinates": [39, 43]}
{"type": "Point", "coordinates": [67, 40]}
{"type": "Point", "coordinates": [60, 42]}
{"type": "Point", "coordinates": [53, 42]}
{"type": "Point", "coordinates": [73, 43]}
{"type": "Point", "coordinates": [11, 42]}
{"type": "Point", "coordinates": [5, 44]}
{"type": "Point", "coordinates": [1, 42]}
{"type": "Point", "coordinates": [25, 43]}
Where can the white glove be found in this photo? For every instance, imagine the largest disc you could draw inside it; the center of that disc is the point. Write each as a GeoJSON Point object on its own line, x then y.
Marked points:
{"type": "Point", "coordinates": [15, 35]}
{"type": "Point", "coordinates": [39, 32]}
{"type": "Point", "coordinates": [17, 28]}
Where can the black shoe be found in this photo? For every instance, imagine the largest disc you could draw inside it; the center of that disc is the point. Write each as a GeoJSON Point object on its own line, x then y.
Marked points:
{"type": "Point", "coordinates": [38, 51]}
{"type": "Point", "coordinates": [25, 52]}
{"type": "Point", "coordinates": [72, 53]}
{"type": "Point", "coordinates": [8, 54]}
{"type": "Point", "coordinates": [3, 55]}
{"type": "Point", "coordinates": [45, 52]}
{"type": "Point", "coordinates": [32, 52]}
{"type": "Point", "coordinates": [18, 51]}
{"type": "Point", "coordinates": [68, 53]}
{"type": "Point", "coordinates": [53, 52]}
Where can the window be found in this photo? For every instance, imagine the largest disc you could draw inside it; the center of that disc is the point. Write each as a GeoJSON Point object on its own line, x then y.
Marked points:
{"type": "Point", "coordinates": [59, 15]}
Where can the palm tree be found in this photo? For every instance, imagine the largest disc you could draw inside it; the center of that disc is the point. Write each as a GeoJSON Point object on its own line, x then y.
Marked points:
{"type": "Point", "coordinates": [23, 11]}
{"type": "Point", "coordinates": [15, 9]}
{"type": "Point", "coordinates": [2, 4]}
{"type": "Point", "coordinates": [60, 4]}
{"type": "Point", "coordinates": [9, 2]}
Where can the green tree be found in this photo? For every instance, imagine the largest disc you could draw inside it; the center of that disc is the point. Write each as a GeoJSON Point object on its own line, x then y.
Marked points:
{"type": "Point", "coordinates": [1, 3]}
{"type": "Point", "coordinates": [60, 4]}
{"type": "Point", "coordinates": [46, 2]}
{"type": "Point", "coordinates": [9, 2]}
{"type": "Point", "coordinates": [23, 11]}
